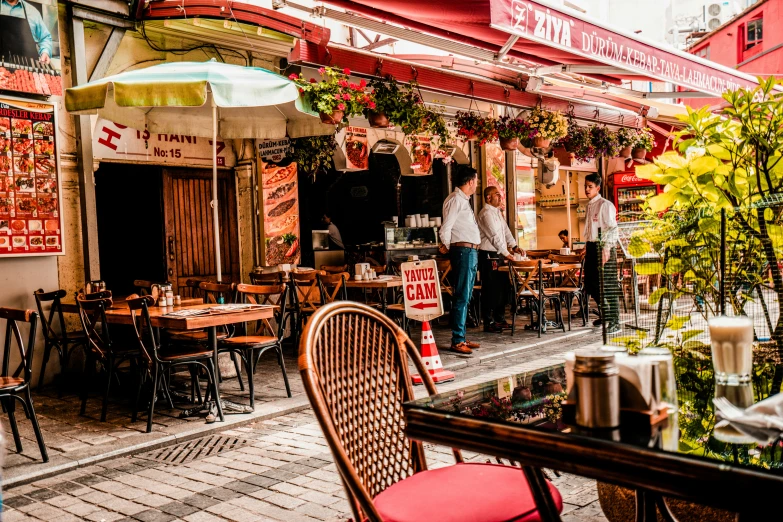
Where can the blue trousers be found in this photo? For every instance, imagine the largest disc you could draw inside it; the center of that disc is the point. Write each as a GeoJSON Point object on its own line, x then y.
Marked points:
{"type": "Point", "coordinates": [464, 262]}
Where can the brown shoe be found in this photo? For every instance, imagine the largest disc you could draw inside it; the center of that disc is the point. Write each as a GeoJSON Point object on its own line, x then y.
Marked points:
{"type": "Point", "coordinates": [461, 348]}
{"type": "Point", "coordinates": [473, 345]}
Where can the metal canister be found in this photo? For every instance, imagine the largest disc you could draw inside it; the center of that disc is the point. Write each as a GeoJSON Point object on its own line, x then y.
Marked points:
{"type": "Point", "coordinates": [597, 382]}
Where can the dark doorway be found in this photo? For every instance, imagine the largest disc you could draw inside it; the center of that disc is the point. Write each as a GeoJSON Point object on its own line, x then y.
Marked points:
{"type": "Point", "coordinates": [129, 203]}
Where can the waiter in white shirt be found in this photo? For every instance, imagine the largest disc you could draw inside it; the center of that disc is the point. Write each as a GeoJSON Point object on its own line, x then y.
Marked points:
{"type": "Point", "coordinates": [497, 243]}
{"type": "Point", "coordinates": [601, 214]}
{"type": "Point", "coordinates": [334, 234]}
{"type": "Point", "coordinates": [460, 238]}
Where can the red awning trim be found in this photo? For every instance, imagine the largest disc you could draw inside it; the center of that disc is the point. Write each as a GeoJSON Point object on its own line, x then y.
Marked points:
{"type": "Point", "coordinates": [240, 12]}
{"type": "Point", "coordinates": [365, 64]}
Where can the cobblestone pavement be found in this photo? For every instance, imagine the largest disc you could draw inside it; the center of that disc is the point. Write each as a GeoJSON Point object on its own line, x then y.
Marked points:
{"type": "Point", "coordinates": [283, 471]}
{"type": "Point", "coordinates": [76, 440]}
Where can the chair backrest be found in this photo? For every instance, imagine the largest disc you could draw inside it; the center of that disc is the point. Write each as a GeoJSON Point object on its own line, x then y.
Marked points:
{"type": "Point", "coordinates": [218, 292]}
{"type": "Point", "coordinates": [92, 314]}
{"type": "Point", "coordinates": [276, 295]}
{"type": "Point", "coordinates": [51, 334]}
{"type": "Point", "coordinates": [329, 269]}
{"type": "Point", "coordinates": [354, 365]}
{"type": "Point", "coordinates": [270, 278]}
{"type": "Point", "coordinates": [538, 254]}
{"type": "Point", "coordinates": [523, 276]}
{"type": "Point", "coordinates": [307, 295]}
{"type": "Point", "coordinates": [378, 269]}
{"type": "Point", "coordinates": [333, 287]}
{"type": "Point", "coordinates": [143, 287]}
{"type": "Point", "coordinates": [571, 258]}
{"type": "Point", "coordinates": [145, 335]}
{"type": "Point", "coordinates": [13, 317]}
{"type": "Point", "coordinates": [192, 288]}
{"type": "Point", "coordinates": [444, 267]}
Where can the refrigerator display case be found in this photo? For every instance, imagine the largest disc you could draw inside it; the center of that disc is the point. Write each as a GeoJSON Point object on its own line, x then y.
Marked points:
{"type": "Point", "coordinates": [630, 192]}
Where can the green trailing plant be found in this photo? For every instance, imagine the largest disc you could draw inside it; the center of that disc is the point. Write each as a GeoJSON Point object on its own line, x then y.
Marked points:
{"type": "Point", "coordinates": [604, 141]}
{"type": "Point", "coordinates": [313, 154]}
{"type": "Point", "coordinates": [644, 139]}
{"type": "Point", "coordinates": [473, 126]}
{"type": "Point", "coordinates": [334, 92]}
{"type": "Point", "coordinates": [579, 142]}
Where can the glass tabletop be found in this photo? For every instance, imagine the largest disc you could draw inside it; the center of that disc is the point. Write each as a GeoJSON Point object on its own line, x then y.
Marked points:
{"type": "Point", "coordinates": [533, 399]}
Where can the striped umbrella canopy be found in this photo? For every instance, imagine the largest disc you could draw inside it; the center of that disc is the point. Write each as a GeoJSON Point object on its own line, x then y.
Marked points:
{"type": "Point", "coordinates": [206, 99]}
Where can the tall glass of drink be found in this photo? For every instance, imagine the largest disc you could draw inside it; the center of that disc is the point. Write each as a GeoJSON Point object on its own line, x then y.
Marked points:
{"type": "Point", "coordinates": [732, 349]}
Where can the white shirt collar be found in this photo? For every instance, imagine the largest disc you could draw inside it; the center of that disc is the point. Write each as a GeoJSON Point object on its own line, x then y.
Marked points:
{"type": "Point", "coordinates": [460, 193]}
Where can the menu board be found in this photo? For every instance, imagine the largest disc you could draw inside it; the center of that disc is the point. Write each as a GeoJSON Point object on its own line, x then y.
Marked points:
{"type": "Point", "coordinates": [356, 149]}
{"type": "Point", "coordinates": [30, 215]}
{"type": "Point", "coordinates": [279, 189]}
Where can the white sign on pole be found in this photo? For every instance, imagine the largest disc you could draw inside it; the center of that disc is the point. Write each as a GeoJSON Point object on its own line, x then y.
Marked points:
{"type": "Point", "coordinates": [421, 290]}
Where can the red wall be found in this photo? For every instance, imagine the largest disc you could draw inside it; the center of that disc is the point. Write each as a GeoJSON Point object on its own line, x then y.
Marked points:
{"type": "Point", "coordinates": [726, 45]}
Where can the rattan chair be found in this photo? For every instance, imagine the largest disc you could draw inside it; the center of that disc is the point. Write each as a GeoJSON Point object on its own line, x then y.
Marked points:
{"type": "Point", "coordinates": [354, 365]}
{"type": "Point", "coordinates": [59, 339]}
{"type": "Point", "coordinates": [16, 386]}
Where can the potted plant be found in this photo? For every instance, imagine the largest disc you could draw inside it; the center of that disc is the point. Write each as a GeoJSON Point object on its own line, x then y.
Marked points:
{"type": "Point", "coordinates": [548, 126]}
{"type": "Point", "coordinates": [604, 141]}
{"type": "Point", "coordinates": [510, 130]}
{"type": "Point", "coordinates": [314, 153]}
{"type": "Point", "coordinates": [473, 126]}
{"type": "Point", "coordinates": [579, 142]}
{"type": "Point", "coordinates": [390, 103]}
{"type": "Point", "coordinates": [645, 141]}
{"type": "Point", "coordinates": [334, 97]}
{"type": "Point", "coordinates": [626, 138]}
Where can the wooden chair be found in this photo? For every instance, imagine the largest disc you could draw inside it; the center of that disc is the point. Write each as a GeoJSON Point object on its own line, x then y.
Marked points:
{"type": "Point", "coordinates": [334, 269]}
{"type": "Point", "coordinates": [306, 296]}
{"type": "Point", "coordinates": [250, 344]}
{"type": "Point", "coordinates": [333, 287]}
{"type": "Point", "coordinates": [143, 287]}
{"type": "Point", "coordinates": [538, 254]}
{"type": "Point", "coordinates": [527, 281]}
{"type": "Point", "coordinates": [156, 365]}
{"type": "Point", "coordinates": [192, 288]}
{"type": "Point", "coordinates": [59, 338]}
{"type": "Point", "coordinates": [359, 407]}
{"type": "Point", "coordinates": [16, 386]}
{"type": "Point", "coordinates": [270, 278]}
{"type": "Point", "coordinates": [101, 348]}
{"type": "Point", "coordinates": [569, 292]}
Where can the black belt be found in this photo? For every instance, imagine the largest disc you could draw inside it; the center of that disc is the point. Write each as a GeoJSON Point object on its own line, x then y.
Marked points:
{"type": "Point", "coordinates": [464, 244]}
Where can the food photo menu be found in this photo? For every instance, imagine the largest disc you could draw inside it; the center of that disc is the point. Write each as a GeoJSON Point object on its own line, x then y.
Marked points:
{"type": "Point", "coordinates": [30, 215]}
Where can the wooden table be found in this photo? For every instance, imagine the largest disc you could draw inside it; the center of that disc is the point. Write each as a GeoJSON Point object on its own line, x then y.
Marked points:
{"type": "Point", "coordinates": [119, 313]}
{"type": "Point", "coordinates": [377, 284]}
{"type": "Point", "coordinates": [657, 462]}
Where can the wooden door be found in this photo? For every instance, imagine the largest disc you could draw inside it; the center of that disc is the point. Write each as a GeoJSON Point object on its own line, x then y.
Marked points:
{"type": "Point", "coordinates": [190, 240]}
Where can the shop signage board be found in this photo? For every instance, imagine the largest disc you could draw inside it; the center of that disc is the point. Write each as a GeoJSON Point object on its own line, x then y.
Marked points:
{"type": "Point", "coordinates": [30, 48]}
{"type": "Point", "coordinates": [555, 27]}
{"type": "Point", "coordinates": [114, 142]}
{"type": "Point", "coordinates": [357, 150]}
{"type": "Point", "coordinates": [279, 189]}
{"type": "Point", "coordinates": [421, 290]}
{"type": "Point", "coordinates": [273, 150]}
{"type": "Point", "coordinates": [30, 184]}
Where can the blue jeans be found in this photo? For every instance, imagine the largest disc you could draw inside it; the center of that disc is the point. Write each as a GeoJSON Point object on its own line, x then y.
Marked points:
{"type": "Point", "coordinates": [464, 262]}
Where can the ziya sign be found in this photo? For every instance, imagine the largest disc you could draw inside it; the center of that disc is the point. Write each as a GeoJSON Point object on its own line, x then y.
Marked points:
{"type": "Point", "coordinates": [112, 141]}
{"type": "Point", "coordinates": [551, 26]}
{"type": "Point", "coordinates": [421, 290]}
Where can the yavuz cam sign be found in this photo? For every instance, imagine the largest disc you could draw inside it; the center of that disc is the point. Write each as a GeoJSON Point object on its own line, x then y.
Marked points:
{"type": "Point", "coordinates": [421, 290]}
{"type": "Point", "coordinates": [554, 27]}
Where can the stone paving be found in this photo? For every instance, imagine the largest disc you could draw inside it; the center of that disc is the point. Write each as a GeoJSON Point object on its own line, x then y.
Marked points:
{"type": "Point", "coordinates": [284, 473]}
{"type": "Point", "coordinates": [74, 440]}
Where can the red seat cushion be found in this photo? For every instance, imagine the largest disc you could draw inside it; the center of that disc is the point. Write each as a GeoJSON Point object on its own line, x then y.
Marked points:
{"type": "Point", "coordinates": [462, 493]}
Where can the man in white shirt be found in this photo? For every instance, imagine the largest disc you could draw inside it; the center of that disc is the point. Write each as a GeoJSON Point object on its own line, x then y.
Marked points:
{"type": "Point", "coordinates": [497, 243]}
{"type": "Point", "coordinates": [460, 238]}
{"type": "Point", "coordinates": [601, 214]}
{"type": "Point", "coordinates": [334, 233]}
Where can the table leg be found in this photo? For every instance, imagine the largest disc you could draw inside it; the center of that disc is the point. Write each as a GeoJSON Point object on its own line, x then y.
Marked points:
{"type": "Point", "coordinates": [213, 342]}
{"type": "Point", "coordinates": [383, 300]}
{"type": "Point", "coordinates": [547, 510]}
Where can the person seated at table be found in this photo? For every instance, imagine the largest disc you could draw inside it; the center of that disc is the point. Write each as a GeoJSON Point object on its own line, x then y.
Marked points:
{"type": "Point", "coordinates": [563, 235]}
{"type": "Point", "coordinates": [497, 243]}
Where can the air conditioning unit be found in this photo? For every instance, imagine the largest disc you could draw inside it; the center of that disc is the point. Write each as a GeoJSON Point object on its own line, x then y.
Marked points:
{"type": "Point", "coordinates": [718, 13]}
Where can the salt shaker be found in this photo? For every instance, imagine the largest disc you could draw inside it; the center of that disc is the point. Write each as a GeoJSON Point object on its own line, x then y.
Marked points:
{"type": "Point", "coordinates": [597, 382]}
{"type": "Point", "coordinates": [169, 298]}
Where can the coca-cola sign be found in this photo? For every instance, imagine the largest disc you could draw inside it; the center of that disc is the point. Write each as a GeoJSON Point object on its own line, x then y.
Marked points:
{"type": "Point", "coordinates": [550, 25]}
{"type": "Point", "coordinates": [626, 179]}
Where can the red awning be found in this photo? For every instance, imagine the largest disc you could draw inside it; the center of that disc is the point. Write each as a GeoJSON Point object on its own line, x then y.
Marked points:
{"type": "Point", "coordinates": [553, 37]}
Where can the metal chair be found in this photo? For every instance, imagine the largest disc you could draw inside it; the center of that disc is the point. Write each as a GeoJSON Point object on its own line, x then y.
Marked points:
{"type": "Point", "coordinates": [333, 287]}
{"type": "Point", "coordinates": [251, 344]}
{"type": "Point", "coordinates": [156, 365]}
{"type": "Point", "coordinates": [60, 338]}
{"type": "Point", "coordinates": [101, 348]}
{"type": "Point", "coordinates": [568, 293]}
{"type": "Point", "coordinates": [527, 280]}
{"type": "Point", "coordinates": [16, 386]}
{"type": "Point", "coordinates": [354, 366]}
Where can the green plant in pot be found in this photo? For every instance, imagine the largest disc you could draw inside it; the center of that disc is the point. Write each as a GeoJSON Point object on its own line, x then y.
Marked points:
{"type": "Point", "coordinates": [510, 131]}
{"type": "Point", "coordinates": [645, 141]}
{"type": "Point", "coordinates": [604, 141]}
{"type": "Point", "coordinates": [473, 126]}
{"type": "Point", "coordinates": [549, 126]}
{"type": "Point", "coordinates": [313, 154]}
{"type": "Point", "coordinates": [578, 142]}
{"type": "Point", "coordinates": [393, 104]}
{"type": "Point", "coordinates": [334, 97]}
{"type": "Point", "coordinates": [626, 139]}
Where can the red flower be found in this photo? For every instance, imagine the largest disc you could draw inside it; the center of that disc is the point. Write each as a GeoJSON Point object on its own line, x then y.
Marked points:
{"type": "Point", "coordinates": [336, 96]}
{"type": "Point", "coordinates": [372, 105]}
{"type": "Point", "coordinates": [362, 84]}
{"type": "Point", "coordinates": [313, 80]}
{"type": "Point", "coordinates": [293, 77]}
{"type": "Point", "coordinates": [343, 83]}
{"type": "Point", "coordinates": [346, 97]}
{"type": "Point", "coordinates": [346, 71]}
{"type": "Point", "coordinates": [321, 70]}
{"type": "Point", "coordinates": [301, 91]}
{"type": "Point", "coordinates": [340, 106]}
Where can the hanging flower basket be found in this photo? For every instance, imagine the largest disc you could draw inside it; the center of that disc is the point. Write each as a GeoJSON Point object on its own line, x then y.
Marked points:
{"type": "Point", "coordinates": [639, 153]}
{"type": "Point", "coordinates": [645, 141]}
{"type": "Point", "coordinates": [604, 141]}
{"type": "Point", "coordinates": [510, 131]}
{"type": "Point", "coordinates": [548, 126]}
{"type": "Point", "coordinates": [378, 120]}
{"type": "Point", "coordinates": [509, 143]}
{"type": "Point", "coordinates": [472, 126]}
{"type": "Point", "coordinates": [542, 143]}
{"type": "Point", "coordinates": [333, 118]}
{"type": "Point", "coordinates": [334, 97]}
{"type": "Point", "coordinates": [579, 142]}
{"type": "Point", "coordinates": [625, 140]}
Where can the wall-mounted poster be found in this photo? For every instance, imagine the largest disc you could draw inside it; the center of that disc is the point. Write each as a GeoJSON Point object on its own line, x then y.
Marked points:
{"type": "Point", "coordinates": [357, 153]}
{"type": "Point", "coordinates": [279, 190]}
{"type": "Point", "coordinates": [30, 216]}
{"type": "Point", "coordinates": [30, 47]}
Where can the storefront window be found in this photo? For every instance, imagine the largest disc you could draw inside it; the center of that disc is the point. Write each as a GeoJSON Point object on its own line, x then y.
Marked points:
{"type": "Point", "coordinates": [496, 170]}
{"type": "Point", "coordinates": [525, 202]}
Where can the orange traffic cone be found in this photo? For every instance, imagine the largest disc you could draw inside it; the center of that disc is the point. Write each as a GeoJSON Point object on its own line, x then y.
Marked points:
{"type": "Point", "coordinates": [431, 358]}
